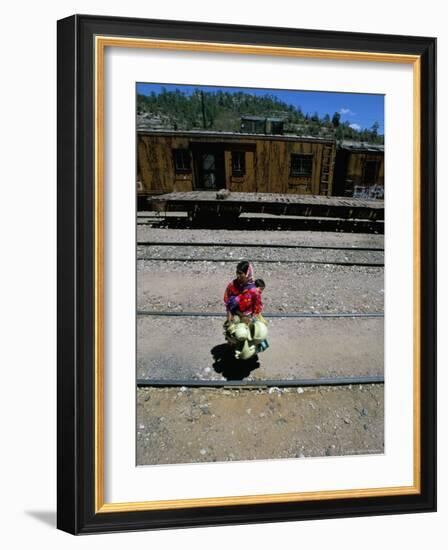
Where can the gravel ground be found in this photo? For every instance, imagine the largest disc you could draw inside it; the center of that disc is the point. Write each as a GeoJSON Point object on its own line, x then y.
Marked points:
{"type": "Point", "coordinates": [255, 255]}
{"type": "Point", "coordinates": [211, 425]}
{"type": "Point", "coordinates": [194, 349]}
{"type": "Point", "coordinates": [199, 286]}
{"type": "Point", "coordinates": [314, 238]}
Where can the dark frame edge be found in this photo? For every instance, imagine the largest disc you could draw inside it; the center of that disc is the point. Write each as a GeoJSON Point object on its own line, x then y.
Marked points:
{"type": "Point", "coordinates": [67, 456]}
{"type": "Point", "coordinates": [428, 292]}
{"type": "Point", "coordinates": [252, 514]}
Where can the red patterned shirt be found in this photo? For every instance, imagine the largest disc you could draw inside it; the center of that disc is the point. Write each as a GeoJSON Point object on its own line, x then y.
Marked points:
{"type": "Point", "coordinates": [246, 300]}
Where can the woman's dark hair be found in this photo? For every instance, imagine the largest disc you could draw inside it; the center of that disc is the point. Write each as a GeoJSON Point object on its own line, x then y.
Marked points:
{"type": "Point", "coordinates": [243, 267]}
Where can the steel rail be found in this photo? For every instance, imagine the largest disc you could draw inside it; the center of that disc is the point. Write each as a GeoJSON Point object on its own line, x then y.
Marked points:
{"type": "Point", "coordinates": [260, 384]}
{"type": "Point", "coordinates": [255, 245]}
{"type": "Point", "coordinates": [261, 261]}
{"type": "Point", "coordinates": [298, 314]}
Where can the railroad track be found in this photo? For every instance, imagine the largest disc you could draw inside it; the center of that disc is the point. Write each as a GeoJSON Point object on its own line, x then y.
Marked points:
{"type": "Point", "coordinates": [256, 245]}
{"type": "Point", "coordinates": [148, 254]}
{"type": "Point", "coordinates": [222, 247]}
{"type": "Point", "coordinates": [291, 314]}
{"type": "Point", "coordinates": [233, 382]}
{"type": "Point", "coordinates": [261, 384]}
{"type": "Point", "coordinates": [260, 261]}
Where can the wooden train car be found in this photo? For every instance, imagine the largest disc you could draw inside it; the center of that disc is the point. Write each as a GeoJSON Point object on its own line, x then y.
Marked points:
{"type": "Point", "coordinates": [359, 171]}
{"type": "Point", "coordinates": [175, 161]}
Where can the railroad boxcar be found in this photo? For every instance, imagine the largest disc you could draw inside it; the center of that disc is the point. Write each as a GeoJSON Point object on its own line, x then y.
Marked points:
{"type": "Point", "coordinates": [171, 161]}
{"type": "Point", "coordinates": [359, 171]}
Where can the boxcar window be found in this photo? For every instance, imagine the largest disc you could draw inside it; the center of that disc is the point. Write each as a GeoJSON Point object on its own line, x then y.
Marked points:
{"type": "Point", "coordinates": [276, 127]}
{"type": "Point", "coordinates": [301, 165]}
{"type": "Point", "coordinates": [253, 126]}
{"type": "Point", "coordinates": [238, 163]}
{"type": "Point", "coordinates": [181, 159]}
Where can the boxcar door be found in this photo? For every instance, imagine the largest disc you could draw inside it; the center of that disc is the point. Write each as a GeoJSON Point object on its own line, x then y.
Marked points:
{"type": "Point", "coordinates": [210, 169]}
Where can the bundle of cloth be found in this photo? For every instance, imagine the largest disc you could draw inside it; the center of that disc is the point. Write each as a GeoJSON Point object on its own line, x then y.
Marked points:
{"type": "Point", "coordinates": [247, 339]}
{"type": "Point", "coordinates": [245, 328]}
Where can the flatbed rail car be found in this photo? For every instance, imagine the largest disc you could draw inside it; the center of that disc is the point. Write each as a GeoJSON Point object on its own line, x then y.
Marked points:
{"type": "Point", "coordinates": [200, 204]}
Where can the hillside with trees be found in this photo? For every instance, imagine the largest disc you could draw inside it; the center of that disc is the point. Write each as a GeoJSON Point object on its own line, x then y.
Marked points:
{"type": "Point", "coordinates": [222, 111]}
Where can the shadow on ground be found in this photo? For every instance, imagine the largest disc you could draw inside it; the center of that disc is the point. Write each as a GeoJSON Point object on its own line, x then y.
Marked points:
{"type": "Point", "coordinates": [226, 364]}
{"type": "Point", "coordinates": [268, 224]}
{"type": "Point", "coordinates": [48, 517]}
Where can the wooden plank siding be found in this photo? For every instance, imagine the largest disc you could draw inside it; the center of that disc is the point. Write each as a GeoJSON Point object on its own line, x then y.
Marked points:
{"type": "Point", "coordinates": [356, 172]}
{"type": "Point", "coordinates": [156, 167]}
{"type": "Point", "coordinates": [262, 161]}
{"type": "Point", "coordinates": [305, 185]}
{"type": "Point", "coordinates": [356, 163]}
{"type": "Point", "coordinates": [267, 163]}
{"type": "Point", "coordinates": [245, 183]}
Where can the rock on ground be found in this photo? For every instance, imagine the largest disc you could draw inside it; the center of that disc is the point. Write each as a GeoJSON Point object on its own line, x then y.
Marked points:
{"type": "Point", "coordinates": [216, 425]}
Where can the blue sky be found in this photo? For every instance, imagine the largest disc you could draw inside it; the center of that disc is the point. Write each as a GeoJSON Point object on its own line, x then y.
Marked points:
{"type": "Point", "coordinates": [361, 110]}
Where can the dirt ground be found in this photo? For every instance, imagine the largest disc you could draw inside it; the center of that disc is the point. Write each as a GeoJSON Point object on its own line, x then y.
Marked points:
{"type": "Point", "coordinates": [299, 349]}
{"type": "Point", "coordinates": [184, 286]}
{"type": "Point", "coordinates": [262, 237]}
{"type": "Point", "coordinates": [183, 425]}
{"type": "Point", "coordinates": [186, 424]}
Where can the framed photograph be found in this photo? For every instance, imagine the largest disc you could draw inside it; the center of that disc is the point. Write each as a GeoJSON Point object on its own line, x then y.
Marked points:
{"type": "Point", "coordinates": [246, 274]}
